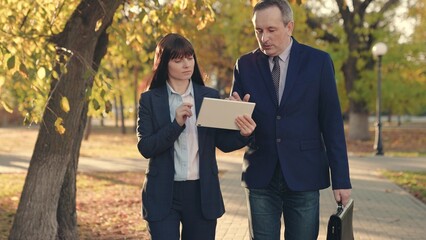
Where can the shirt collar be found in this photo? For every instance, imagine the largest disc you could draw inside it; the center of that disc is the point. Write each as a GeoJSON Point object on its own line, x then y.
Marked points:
{"type": "Point", "coordinates": [189, 90]}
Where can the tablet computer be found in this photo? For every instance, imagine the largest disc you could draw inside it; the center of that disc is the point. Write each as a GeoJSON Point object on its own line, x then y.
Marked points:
{"type": "Point", "coordinates": [221, 113]}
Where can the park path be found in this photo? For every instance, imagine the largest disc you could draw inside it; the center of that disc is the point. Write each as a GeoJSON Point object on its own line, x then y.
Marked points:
{"type": "Point", "coordinates": [383, 211]}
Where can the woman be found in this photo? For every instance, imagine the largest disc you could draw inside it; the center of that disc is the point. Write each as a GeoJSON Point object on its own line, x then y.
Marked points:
{"type": "Point", "coordinates": [181, 184]}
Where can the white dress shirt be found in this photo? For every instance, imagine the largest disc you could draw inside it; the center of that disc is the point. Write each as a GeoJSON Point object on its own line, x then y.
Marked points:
{"type": "Point", "coordinates": [186, 158]}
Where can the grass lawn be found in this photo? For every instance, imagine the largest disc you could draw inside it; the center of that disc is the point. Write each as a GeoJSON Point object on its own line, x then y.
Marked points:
{"type": "Point", "coordinates": [413, 182]}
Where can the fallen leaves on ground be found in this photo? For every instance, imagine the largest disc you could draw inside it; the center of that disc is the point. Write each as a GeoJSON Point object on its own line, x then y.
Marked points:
{"type": "Point", "coordinates": [108, 205]}
{"type": "Point", "coordinates": [111, 208]}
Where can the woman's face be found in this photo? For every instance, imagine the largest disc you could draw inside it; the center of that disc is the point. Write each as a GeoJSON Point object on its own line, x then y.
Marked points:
{"type": "Point", "coordinates": [181, 68]}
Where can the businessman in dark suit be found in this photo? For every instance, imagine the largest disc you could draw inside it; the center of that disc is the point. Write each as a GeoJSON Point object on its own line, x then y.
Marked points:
{"type": "Point", "coordinates": [181, 184]}
{"type": "Point", "coordinates": [299, 139]}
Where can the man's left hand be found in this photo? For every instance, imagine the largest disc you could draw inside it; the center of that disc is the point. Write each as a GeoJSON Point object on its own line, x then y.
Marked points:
{"type": "Point", "coordinates": [342, 195]}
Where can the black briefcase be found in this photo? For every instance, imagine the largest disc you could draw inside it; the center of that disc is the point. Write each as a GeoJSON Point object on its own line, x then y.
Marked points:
{"type": "Point", "coordinates": [340, 223]}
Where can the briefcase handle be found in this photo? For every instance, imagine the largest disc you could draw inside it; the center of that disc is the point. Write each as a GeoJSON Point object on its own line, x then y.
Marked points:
{"type": "Point", "coordinates": [339, 207]}
{"type": "Point", "coordinates": [342, 209]}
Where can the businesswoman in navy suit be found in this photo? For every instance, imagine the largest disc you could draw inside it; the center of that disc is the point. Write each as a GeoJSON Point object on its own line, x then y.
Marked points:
{"type": "Point", "coordinates": [181, 184]}
{"type": "Point", "coordinates": [299, 144]}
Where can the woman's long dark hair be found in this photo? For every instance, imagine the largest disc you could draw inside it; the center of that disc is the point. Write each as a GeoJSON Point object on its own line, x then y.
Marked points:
{"type": "Point", "coordinates": [170, 47]}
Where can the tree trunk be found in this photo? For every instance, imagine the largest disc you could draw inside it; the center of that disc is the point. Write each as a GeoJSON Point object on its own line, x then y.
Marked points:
{"type": "Point", "coordinates": [358, 113]}
{"type": "Point", "coordinates": [359, 45]}
{"type": "Point", "coordinates": [123, 124]}
{"type": "Point", "coordinates": [116, 112]}
{"type": "Point", "coordinates": [135, 99]}
{"type": "Point", "coordinates": [358, 126]}
{"type": "Point", "coordinates": [88, 129]}
{"type": "Point", "coordinates": [66, 214]}
{"type": "Point", "coordinates": [47, 206]}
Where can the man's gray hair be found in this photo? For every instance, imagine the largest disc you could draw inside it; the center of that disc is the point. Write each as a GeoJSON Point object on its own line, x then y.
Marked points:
{"type": "Point", "coordinates": [283, 5]}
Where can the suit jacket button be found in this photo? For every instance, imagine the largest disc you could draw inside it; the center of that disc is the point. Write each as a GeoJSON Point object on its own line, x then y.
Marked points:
{"type": "Point", "coordinates": [278, 140]}
{"type": "Point", "coordinates": [278, 117]}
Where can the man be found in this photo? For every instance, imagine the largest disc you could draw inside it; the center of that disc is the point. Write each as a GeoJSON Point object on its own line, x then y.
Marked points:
{"type": "Point", "coordinates": [299, 136]}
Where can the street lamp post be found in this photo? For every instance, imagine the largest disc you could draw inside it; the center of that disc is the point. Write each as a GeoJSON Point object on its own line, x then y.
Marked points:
{"type": "Point", "coordinates": [378, 50]}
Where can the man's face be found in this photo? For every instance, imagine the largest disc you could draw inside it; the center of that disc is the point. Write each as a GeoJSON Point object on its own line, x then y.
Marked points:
{"type": "Point", "coordinates": [272, 35]}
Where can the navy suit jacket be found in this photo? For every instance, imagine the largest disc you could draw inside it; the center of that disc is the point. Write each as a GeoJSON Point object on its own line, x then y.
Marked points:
{"type": "Point", "coordinates": [305, 132]}
{"type": "Point", "coordinates": [156, 137]}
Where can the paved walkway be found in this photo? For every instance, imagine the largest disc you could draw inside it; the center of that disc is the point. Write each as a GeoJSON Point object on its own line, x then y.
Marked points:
{"type": "Point", "coordinates": [383, 211]}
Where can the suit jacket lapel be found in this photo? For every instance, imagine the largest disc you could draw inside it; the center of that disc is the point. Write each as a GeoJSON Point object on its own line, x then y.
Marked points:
{"type": "Point", "coordinates": [198, 97]}
{"type": "Point", "coordinates": [199, 94]}
{"type": "Point", "coordinates": [160, 104]}
{"type": "Point", "coordinates": [292, 70]}
{"type": "Point", "coordinates": [263, 65]}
